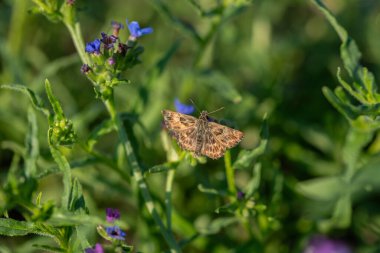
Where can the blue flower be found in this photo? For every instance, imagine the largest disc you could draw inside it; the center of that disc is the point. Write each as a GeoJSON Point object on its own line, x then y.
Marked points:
{"type": "Point", "coordinates": [93, 47]}
{"type": "Point", "coordinates": [183, 108]}
{"type": "Point", "coordinates": [112, 214]}
{"type": "Point", "coordinates": [98, 249]}
{"type": "Point", "coordinates": [108, 41]}
{"type": "Point", "coordinates": [322, 244]}
{"type": "Point", "coordinates": [116, 233]}
{"type": "Point", "coordinates": [136, 31]}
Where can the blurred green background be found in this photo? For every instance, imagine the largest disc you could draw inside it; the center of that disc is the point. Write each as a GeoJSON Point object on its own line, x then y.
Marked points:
{"type": "Point", "coordinates": [266, 57]}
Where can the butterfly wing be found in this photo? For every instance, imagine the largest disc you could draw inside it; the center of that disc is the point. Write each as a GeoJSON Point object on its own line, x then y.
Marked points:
{"type": "Point", "coordinates": [212, 147]}
{"type": "Point", "coordinates": [182, 127]}
{"type": "Point", "coordinates": [226, 136]}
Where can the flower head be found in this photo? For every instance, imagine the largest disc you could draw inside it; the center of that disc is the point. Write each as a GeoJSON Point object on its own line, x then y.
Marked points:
{"type": "Point", "coordinates": [183, 108]}
{"type": "Point", "coordinates": [136, 31]}
{"type": "Point", "coordinates": [112, 214]}
{"type": "Point", "coordinates": [98, 249]}
{"type": "Point", "coordinates": [85, 69]}
{"type": "Point", "coordinates": [93, 47]}
{"type": "Point", "coordinates": [108, 41]}
{"type": "Point", "coordinates": [322, 244]}
{"type": "Point", "coordinates": [116, 28]}
{"type": "Point", "coordinates": [116, 233]}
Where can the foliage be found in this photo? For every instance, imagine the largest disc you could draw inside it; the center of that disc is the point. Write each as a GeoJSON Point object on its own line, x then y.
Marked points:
{"type": "Point", "coordinates": [81, 130]}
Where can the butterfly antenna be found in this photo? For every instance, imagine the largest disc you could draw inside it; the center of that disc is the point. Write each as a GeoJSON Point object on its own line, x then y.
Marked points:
{"type": "Point", "coordinates": [221, 108]}
{"type": "Point", "coordinates": [196, 107]}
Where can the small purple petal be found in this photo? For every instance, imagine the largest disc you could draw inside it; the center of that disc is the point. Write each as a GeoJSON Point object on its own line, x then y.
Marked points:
{"type": "Point", "coordinates": [85, 69]}
{"type": "Point", "coordinates": [183, 108]}
{"type": "Point", "coordinates": [108, 41]}
{"type": "Point", "coordinates": [112, 214]}
{"type": "Point", "coordinates": [146, 30]}
{"type": "Point", "coordinates": [240, 195]}
{"type": "Point", "coordinates": [98, 249]}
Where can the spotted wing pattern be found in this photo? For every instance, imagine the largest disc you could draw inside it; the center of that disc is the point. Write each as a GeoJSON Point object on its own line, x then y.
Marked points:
{"type": "Point", "coordinates": [182, 127]}
{"type": "Point", "coordinates": [218, 139]}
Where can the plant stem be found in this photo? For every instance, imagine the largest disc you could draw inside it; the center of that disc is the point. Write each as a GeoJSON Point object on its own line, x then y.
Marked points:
{"type": "Point", "coordinates": [230, 177]}
{"type": "Point", "coordinates": [168, 198]}
{"type": "Point", "coordinates": [138, 176]}
{"type": "Point", "coordinates": [76, 35]}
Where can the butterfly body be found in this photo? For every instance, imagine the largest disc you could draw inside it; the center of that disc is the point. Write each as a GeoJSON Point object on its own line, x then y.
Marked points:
{"type": "Point", "coordinates": [199, 135]}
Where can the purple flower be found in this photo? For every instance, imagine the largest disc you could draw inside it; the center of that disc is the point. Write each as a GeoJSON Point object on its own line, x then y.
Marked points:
{"type": "Point", "coordinates": [112, 214]}
{"type": "Point", "coordinates": [93, 47]}
{"type": "Point", "coordinates": [111, 61]}
{"type": "Point", "coordinates": [70, 2]}
{"type": "Point", "coordinates": [116, 233]}
{"type": "Point", "coordinates": [240, 195]}
{"type": "Point", "coordinates": [85, 69]}
{"type": "Point", "coordinates": [98, 249]}
{"type": "Point", "coordinates": [108, 41]}
{"type": "Point", "coordinates": [183, 108]}
{"type": "Point", "coordinates": [136, 31]}
{"type": "Point", "coordinates": [116, 28]}
{"type": "Point", "coordinates": [322, 244]}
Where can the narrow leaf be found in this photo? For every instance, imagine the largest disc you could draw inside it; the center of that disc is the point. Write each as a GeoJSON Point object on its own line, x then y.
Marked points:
{"type": "Point", "coordinates": [54, 101]}
{"type": "Point", "coordinates": [11, 227]}
{"type": "Point", "coordinates": [34, 98]}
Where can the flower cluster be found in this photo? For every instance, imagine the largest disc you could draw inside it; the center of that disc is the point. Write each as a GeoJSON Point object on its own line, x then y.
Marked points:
{"type": "Point", "coordinates": [114, 231]}
{"type": "Point", "coordinates": [62, 133]}
{"type": "Point", "coordinates": [109, 57]}
{"type": "Point", "coordinates": [111, 233]}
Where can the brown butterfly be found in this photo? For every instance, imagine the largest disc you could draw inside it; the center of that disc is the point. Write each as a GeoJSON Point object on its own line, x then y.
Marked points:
{"type": "Point", "coordinates": [199, 135]}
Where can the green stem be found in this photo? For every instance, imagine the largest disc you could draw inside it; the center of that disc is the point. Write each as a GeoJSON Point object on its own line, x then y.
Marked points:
{"type": "Point", "coordinates": [230, 177]}
{"type": "Point", "coordinates": [76, 36]}
{"type": "Point", "coordinates": [168, 198]}
{"type": "Point", "coordinates": [138, 176]}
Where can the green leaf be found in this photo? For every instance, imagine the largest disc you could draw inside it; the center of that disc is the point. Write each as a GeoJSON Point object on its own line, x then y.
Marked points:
{"type": "Point", "coordinates": [32, 145]}
{"type": "Point", "coordinates": [64, 167]}
{"type": "Point", "coordinates": [58, 112]}
{"type": "Point", "coordinates": [254, 183]}
{"type": "Point", "coordinates": [323, 189]}
{"type": "Point", "coordinates": [76, 199]}
{"type": "Point", "coordinates": [341, 216]}
{"type": "Point", "coordinates": [344, 109]}
{"type": "Point", "coordinates": [366, 179]}
{"type": "Point", "coordinates": [221, 84]}
{"type": "Point", "coordinates": [11, 227]}
{"type": "Point", "coordinates": [211, 191]}
{"type": "Point", "coordinates": [247, 157]}
{"type": "Point", "coordinates": [355, 142]}
{"type": "Point", "coordinates": [34, 98]}
{"type": "Point", "coordinates": [161, 168]}
{"type": "Point", "coordinates": [47, 248]}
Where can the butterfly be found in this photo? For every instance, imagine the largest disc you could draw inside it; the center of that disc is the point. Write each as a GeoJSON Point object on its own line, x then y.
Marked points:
{"type": "Point", "coordinates": [199, 135]}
